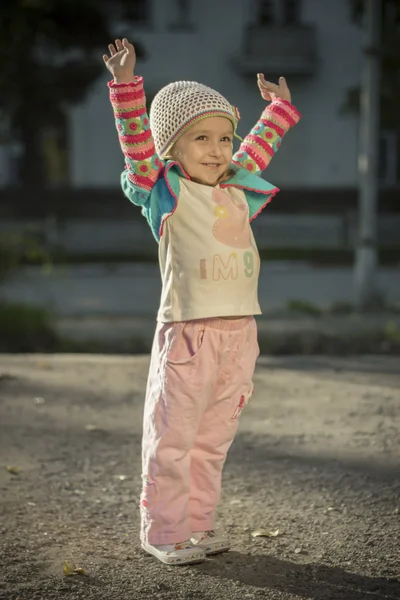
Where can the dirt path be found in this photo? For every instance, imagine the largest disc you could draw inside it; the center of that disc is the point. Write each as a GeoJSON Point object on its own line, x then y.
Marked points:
{"type": "Point", "coordinates": [317, 457]}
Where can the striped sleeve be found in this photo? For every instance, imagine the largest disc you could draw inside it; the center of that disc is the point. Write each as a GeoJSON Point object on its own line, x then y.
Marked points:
{"type": "Point", "coordinates": [263, 141]}
{"type": "Point", "coordinates": [143, 165]}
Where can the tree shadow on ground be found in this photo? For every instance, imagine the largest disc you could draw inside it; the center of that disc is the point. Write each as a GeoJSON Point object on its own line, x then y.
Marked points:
{"type": "Point", "coordinates": [310, 581]}
{"type": "Point", "coordinates": [372, 365]}
{"type": "Point", "coordinates": [264, 454]}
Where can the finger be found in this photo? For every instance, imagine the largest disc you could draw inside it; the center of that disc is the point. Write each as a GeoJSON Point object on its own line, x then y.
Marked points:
{"type": "Point", "coordinates": [271, 87]}
{"type": "Point", "coordinates": [260, 77]}
{"type": "Point", "coordinates": [128, 46]}
{"type": "Point", "coordinates": [283, 83]}
{"type": "Point", "coordinates": [105, 58]}
{"type": "Point", "coordinates": [267, 85]}
{"type": "Point", "coordinates": [264, 92]}
{"type": "Point", "coordinates": [112, 49]}
{"type": "Point", "coordinates": [266, 95]}
{"type": "Point", "coordinates": [118, 44]}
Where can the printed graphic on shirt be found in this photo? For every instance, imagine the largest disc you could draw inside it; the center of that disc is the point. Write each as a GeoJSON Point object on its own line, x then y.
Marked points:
{"type": "Point", "coordinates": [232, 226]}
{"type": "Point", "coordinates": [228, 267]}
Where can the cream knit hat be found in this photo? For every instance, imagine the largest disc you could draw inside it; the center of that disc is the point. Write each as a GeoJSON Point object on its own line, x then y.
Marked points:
{"type": "Point", "coordinates": [180, 105]}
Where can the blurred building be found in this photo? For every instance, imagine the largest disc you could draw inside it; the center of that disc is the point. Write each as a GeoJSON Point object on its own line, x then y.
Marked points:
{"type": "Point", "coordinates": [224, 43]}
{"type": "Point", "coordinates": [315, 44]}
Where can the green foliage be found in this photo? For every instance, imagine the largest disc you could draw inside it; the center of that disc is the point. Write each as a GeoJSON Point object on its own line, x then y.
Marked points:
{"type": "Point", "coordinates": [392, 331]}
{"type": "Point", "coordinates": [341, 308]}
{"type": "Point", "coordinates": [25, 328]}
{"type": "Point", "coordinates": [303, 307]}
{"type": "Point", "coordinates": [19, 248]}
{"type": "Point", "coordinates": [50, 56]}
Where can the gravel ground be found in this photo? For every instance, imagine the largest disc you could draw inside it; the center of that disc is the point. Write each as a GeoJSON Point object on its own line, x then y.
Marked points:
{"type": "Point", "coordinates": [316, 461]}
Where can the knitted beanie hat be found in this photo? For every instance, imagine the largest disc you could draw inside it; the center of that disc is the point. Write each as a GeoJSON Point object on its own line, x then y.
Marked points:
{"type": "Point", "coordinates": [179, 105]}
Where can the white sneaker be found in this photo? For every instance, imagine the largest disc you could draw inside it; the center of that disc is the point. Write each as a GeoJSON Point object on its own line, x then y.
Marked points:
{"type": "Point", "coordinates": [183, 553]}
{"type": "Point", "coordinates": [210, 541]}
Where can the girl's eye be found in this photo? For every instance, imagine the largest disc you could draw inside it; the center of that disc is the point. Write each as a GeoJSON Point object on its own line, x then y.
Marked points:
{"type": "Point", "coordinates": [226, 138]}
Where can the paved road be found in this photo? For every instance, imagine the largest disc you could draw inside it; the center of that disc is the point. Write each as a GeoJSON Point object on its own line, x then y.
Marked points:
{"type": "Point", "coordinates": [316, 460]}
{"type": "Point", "coordinates": [134, 289]}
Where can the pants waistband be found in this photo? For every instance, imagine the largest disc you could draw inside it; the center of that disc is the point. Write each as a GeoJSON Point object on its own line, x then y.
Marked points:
{"type": "Point", "coordinates": [225, 324]}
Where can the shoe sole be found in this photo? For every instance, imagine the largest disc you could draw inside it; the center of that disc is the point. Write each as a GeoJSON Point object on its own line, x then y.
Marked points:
{"type": "Point", "coordinates": [217, 551]}
{"type": "Point", "coordinates": [174, 561]}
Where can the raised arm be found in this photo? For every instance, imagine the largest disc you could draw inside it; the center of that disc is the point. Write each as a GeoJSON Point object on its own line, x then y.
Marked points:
{"type": "Point", "coordinates": [143, 166]}
{"type": "Point", "coordinates": [263, 141]}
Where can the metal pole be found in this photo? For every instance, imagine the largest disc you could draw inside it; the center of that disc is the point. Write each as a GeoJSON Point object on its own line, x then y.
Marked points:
{"type": "Point", "coordinates": [365, 269]}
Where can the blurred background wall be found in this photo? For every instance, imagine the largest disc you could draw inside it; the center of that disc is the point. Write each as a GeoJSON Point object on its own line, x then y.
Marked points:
{"type": "Point", "coordinates": [60, 160]}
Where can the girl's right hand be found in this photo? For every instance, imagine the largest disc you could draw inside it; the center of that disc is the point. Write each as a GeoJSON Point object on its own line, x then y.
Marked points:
{"type": "Point", "coordinates": [121, 62]}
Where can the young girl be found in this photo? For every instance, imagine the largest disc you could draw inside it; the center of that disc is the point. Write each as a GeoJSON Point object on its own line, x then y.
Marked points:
{"type": "Point", "coordinates": [198, 200]}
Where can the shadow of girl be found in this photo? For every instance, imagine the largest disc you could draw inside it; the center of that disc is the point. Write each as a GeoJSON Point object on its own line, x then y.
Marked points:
{"type": "Point", "coordinates": [311, 581]}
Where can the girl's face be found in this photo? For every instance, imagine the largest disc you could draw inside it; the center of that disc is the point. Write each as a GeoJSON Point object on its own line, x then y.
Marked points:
{"type": "Point", "coordinates": [205, 150]}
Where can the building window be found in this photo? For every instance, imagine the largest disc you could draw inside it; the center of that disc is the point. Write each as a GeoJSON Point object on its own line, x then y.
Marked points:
{"type": "Point", "coordinates": [138, 11]}
{"type": "Point", "coordinates": [291, 12]}
{"type": "Point", "coordinates": [266, 12]}
{"type": "Point", "coordinates": [278, 12]}
{"type": "Point", "coordinates": [182, 15]}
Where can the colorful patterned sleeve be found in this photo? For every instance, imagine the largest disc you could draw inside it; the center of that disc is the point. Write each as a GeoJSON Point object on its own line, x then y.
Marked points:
{"type": "Point", "coordinates": [263, 141]}
{"type": "Point", "coordinates": [143, 165]}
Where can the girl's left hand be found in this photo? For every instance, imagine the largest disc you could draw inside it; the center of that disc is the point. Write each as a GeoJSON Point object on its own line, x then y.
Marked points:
{"type": "Point", "coordinates": [270, 91]}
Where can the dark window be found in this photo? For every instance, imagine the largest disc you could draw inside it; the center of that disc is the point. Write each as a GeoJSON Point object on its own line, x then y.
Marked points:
{"type": "Point", "coordinates": [278, 12]}
{"type": "Point", "coordinates": [181, 15]}
{"type": "Point", "coordinates": [266, 12]}
{"type": "Point", "coordinates": [183, 7]}
{"type": "Point", "coordinates": [291, 12]}
{"type": "Point", "coordinates": [138, 11]}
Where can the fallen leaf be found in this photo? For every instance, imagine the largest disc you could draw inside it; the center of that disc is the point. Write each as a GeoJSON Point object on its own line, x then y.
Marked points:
{"type": "Point", "coordinates": [13, 470]}
{"type": "Point", "coordinates": [69, 571]}
{"type": "Point", "coordinates": [265, 533]}
{"type": "Point", "coordinates": [90, 427]}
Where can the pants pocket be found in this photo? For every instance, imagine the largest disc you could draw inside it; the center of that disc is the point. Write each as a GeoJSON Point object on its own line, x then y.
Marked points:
{"type": "Point", "coordinates": [184, 342]}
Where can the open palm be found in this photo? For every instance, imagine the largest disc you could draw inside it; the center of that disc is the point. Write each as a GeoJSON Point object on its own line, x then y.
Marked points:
{"type": "Point", "coordinates": [122, 60]}
{"type": "Point", "coordinates": [270, 91]}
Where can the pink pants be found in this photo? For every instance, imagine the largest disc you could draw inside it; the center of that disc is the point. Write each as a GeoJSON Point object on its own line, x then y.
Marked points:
{"type": "Point", "coordinates": [200, 379]}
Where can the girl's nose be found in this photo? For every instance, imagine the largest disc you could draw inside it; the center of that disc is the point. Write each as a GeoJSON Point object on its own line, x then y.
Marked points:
{"type": "Point", "coordinates": [215, 150]}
